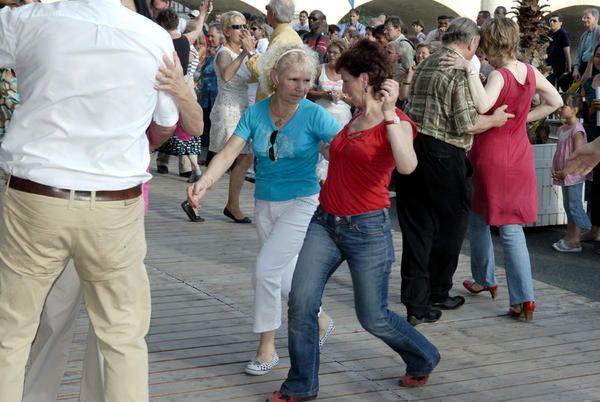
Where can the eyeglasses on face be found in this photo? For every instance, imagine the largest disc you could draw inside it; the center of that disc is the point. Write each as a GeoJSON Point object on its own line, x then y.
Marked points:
{"type": "Point", "coordinates": [311, 18]}
{"type": "Point", "coordinates": [238, 26]}
{"type": "Point", "coordinates": [272, 140]}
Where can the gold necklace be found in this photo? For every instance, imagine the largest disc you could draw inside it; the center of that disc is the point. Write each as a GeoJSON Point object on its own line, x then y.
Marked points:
{"type": "Point", "coordinates": [281, 120]}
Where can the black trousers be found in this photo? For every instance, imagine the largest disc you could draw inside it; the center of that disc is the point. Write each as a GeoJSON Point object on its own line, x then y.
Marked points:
{"type": "Point", "coordinates": [433, 205]}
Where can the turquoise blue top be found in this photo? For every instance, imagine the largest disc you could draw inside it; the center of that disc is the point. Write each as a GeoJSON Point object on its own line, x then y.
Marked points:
{"type": "Point", "coordinates": [293, 174]}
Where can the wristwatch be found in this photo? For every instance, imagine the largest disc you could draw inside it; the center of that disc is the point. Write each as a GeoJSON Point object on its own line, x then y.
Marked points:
{"type": "Point", "coordinates": [395, 120]}
{"type": "Point", "coordinates": [251, 53]}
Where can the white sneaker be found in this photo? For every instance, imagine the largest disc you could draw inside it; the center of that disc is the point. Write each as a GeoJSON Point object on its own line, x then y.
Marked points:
{"type": "Point", "coordinates": [254, 367]}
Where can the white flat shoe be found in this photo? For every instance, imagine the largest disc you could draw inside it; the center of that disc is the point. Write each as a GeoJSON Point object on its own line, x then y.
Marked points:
{"type": "Point", "coordinates": [328, 332]}
{"type": "Point", "coordinates": [255, 367]}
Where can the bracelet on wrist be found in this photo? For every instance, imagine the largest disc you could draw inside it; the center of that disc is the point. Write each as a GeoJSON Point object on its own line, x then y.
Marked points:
{"type": "Point", "coordinates": [405, 82]}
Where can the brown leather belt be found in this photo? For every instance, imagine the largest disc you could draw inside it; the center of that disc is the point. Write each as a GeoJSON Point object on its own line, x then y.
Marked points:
{"type": "Point", "coordinates": [32, 187]}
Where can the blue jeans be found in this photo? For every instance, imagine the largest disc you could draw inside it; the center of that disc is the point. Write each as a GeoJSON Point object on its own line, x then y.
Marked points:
{"type": "Point", "coordinates": [573, 203]}
{"type": "Point", "coordinates": [365, 242]}
{"type": "Point", "coordinates": [516, 258]}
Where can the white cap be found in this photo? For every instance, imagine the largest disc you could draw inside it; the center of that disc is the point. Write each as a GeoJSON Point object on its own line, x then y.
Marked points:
{"type": "Point", "coordinates": [194, 14]}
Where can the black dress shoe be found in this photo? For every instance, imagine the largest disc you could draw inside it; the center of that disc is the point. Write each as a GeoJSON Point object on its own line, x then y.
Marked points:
{"type": "Point", "coordinates": [189, 211]}
{"type": "Point", "coordinates": [185, 174]}
{"type": "Point", "coordinates": [449, 303]}
{"type": "Point", "coordinates": [433, 316]}
{"type": "Point", "coordinates": [228, 214]}
{"type": "Point", "coordinates": [162, 169]}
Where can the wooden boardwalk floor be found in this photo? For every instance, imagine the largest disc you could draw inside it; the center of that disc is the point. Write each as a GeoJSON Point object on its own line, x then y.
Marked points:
{"type": "Point", "coordinates": [200, 336]}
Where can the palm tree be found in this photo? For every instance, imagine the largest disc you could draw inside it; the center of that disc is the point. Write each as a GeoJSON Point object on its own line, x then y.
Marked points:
{"type": "Point", "coordinates": [535, 32]}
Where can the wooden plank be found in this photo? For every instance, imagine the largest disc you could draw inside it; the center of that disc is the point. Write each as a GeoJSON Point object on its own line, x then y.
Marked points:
{"type": "Point", "coordinates": [200, 336]}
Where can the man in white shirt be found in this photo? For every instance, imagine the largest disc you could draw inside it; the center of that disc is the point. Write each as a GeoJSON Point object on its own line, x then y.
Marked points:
{"type": "Point", "coordinates": [77, 154]}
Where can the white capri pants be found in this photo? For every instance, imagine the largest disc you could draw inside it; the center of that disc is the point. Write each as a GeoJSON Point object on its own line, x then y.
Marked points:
{"type": "Point", "coordinates": [281, 227]}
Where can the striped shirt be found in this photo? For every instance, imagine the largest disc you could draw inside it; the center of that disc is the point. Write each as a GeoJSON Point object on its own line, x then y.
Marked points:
{"type": "Point", "coordinates": [440, 102]}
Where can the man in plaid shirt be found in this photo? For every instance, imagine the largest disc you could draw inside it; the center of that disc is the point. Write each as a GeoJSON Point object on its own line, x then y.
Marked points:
{"type": "Point", "coordinates": [434, 201]}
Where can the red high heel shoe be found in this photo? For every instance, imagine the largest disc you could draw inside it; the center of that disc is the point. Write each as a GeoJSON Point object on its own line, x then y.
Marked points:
{"type": "Point", "coordinates": [524, 310]}
{"type": "Point", "coordinates": [492, 289]}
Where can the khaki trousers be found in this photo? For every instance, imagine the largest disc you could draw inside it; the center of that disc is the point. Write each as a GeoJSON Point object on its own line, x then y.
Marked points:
{"type": "Point", "coordinates": [106, 241]}
{"type": "Point", "coordinates": [50, 349]}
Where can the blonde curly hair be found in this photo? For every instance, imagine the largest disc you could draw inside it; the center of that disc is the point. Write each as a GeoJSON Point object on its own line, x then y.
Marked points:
{"type": "Point", "coordinates": [282, 57]}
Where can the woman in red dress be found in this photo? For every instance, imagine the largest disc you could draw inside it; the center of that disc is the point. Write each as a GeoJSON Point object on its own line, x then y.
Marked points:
{"type": "Point", "coordinates": [504, 182]}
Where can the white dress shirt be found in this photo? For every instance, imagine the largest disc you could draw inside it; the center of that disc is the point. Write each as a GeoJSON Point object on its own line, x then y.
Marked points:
{"type": "Point", "coordinates": [86, 72]}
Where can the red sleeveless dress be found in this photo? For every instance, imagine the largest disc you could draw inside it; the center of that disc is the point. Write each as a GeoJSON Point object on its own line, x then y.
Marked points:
{"type": "Point", "coordinates": [504, 181]}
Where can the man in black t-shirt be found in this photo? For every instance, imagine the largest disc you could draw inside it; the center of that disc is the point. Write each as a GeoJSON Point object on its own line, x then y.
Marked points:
{"type": "Point", "coordinates": [559, 51]}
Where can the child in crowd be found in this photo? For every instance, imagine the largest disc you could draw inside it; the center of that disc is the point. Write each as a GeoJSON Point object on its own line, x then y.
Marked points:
{"type": "Point", "coordinates": [571, 136]}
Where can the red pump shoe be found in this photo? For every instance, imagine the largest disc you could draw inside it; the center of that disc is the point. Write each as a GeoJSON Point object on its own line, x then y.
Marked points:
{"type": "Point", "coordinates": [410, 381]}
{"type": "Point", "coordinates": [279, 396]}
{"type": "Point", "coordinates": [492, 289]}
{"type": "Point", "coordinates": [523, 311]}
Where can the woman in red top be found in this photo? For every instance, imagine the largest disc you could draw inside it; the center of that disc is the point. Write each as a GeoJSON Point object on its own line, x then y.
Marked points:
{"type": "Point", "coordinates": [504, 182]}
{"type": "Point", "coordinates": [352, 224]}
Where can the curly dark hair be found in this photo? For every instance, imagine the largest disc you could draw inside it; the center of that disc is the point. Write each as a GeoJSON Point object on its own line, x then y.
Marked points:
{"type": "Point", "coordinates": [368, 57]}
{"type": "Point", "coordinates": [168, 19]}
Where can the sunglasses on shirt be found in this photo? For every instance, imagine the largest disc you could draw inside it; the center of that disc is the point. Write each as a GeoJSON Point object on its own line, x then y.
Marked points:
{"type": "Point", "coordinates": [238, 26]}
{"type": "Point", "coordinates": [272, 140]}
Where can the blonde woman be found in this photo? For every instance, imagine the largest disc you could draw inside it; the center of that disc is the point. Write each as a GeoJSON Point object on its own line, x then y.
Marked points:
{"type": "Point", "coordinates": [285, 131]}
{"type": "Point", "coordinates": [231, 102]}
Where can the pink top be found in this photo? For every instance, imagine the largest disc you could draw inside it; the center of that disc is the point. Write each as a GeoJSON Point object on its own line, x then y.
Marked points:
{"type": "Point", "coordinates": [564, 149]}
{"type": "Point", "coordinates": [181, 133]}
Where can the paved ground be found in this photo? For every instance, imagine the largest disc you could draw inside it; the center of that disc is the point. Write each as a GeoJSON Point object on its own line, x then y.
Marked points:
{"type": "Point", "coordinates": [200, 333]}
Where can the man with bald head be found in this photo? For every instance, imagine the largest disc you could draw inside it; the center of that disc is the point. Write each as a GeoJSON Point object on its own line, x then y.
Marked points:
{"type": "Point", "coordinates": [317, 38]}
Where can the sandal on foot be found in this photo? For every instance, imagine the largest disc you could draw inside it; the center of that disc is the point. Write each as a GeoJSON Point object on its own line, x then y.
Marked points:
{"type": "Point", "coordinates": [563, 247]}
